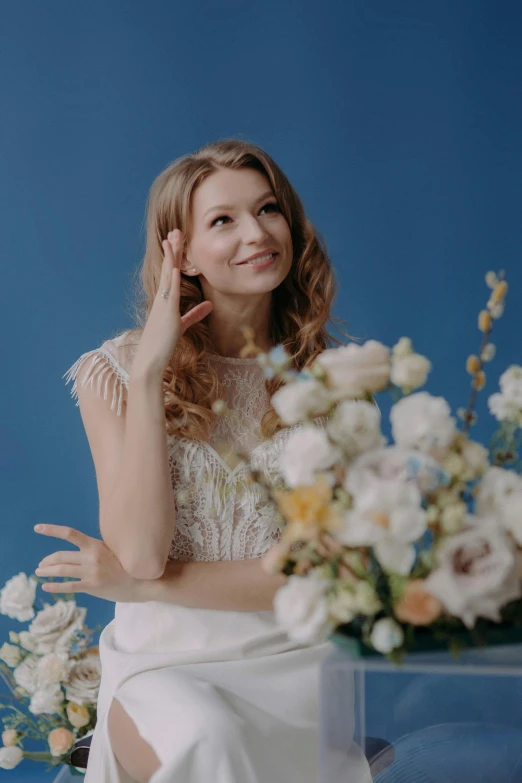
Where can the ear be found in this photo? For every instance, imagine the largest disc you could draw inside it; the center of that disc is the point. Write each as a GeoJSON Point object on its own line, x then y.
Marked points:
{"type": "Point", "coordinates": [186, 267]}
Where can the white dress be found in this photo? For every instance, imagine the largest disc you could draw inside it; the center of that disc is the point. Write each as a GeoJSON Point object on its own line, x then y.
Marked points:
{"type": "Point", "coordinates": [222, 696]}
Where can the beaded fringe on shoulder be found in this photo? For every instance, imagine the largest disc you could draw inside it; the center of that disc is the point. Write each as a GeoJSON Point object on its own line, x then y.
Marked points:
{"type": "Point", "coordinates": [103, 367]}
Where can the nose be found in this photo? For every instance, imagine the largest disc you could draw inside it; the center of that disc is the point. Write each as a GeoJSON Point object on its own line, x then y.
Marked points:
{"type": "Point", "coordinates": [252, 230]}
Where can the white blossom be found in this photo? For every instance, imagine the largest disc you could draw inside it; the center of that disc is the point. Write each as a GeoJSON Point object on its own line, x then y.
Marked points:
{"type": "Point", "coordinates": [410, 371]}
{"type": "Point", "coordinates": [53, 627]}
{"type": "Point", "coordinates": [10, 654]}
{"type": "Point", "coordinates": [386, 635]}
{"type": "Point", "coordinates": [357, 369]}
{"type": "Point", "coordinates": [301, 607]}
{"type": "Point", "coordinates": [17, 597]}
{"type": "Point", "coordinates": [355, 425]}
{"type": "Point", "coordinates": [10, 757]}
{"type": "Point", "coordinates": [395, 463]}
{"type": "Point", "coordinates": [386, 515]}
{"type": "Point", "coordinates": [48, 700]}
{"type": "Point", "coordinates": [25, 674]}
{"type": "Point", "coordinates": [52, 668]}
{"type": "Point", "coordinates": [507, 405]}
{"type": "Point", "coordinates": [306, 451]}
{"type": "Point", "coordinates": [422, 422]}
{"type": "Point", "coordinates": [296, 401]}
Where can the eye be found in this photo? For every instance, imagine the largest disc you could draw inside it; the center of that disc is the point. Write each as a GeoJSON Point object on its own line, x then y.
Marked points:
{"type": "Point", "coordinates": [271, 204]}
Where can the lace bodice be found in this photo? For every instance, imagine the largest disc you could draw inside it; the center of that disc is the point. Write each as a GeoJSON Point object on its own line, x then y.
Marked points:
{"type": "Point", "coordinates": [220, 515]}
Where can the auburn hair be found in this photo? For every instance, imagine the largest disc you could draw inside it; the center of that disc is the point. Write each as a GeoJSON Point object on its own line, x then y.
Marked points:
{"type": "Point", "coordinates": [301, 304]}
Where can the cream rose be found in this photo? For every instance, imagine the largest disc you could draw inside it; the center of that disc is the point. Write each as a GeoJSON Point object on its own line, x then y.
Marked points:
{"type": "Point", "coordinates": [17, 597]}
{"type": "Point", "coordinates": [54, 626]}
{"type": "Point", "coordinates": [296, 401]}
{"type": "Point", "coordinates": [84, 680]}
{"type": "Point", "coordinates": [356, 369]}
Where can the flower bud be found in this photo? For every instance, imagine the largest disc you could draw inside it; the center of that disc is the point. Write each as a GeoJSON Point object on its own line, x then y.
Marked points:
{"type": "Point", "coordinates": [484, 321]}
{"type": "Point", "coordinates": [473, 364]}
{"type": "Point", "coordinates": [479, 381]}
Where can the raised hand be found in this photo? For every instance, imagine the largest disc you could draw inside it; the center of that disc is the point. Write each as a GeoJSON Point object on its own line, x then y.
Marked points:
{"type": "Point", "coordinates": [164, 324]}
{"type": "Point", "coordinates": [96, 568]}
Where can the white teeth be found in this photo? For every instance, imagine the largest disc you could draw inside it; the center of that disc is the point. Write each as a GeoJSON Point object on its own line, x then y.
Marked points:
{"type": "Point", "coordinates": [260, 260]}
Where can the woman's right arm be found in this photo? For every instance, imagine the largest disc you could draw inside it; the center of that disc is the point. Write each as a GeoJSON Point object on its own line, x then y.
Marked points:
{"type": "Point", "coordinates": [137, 510]}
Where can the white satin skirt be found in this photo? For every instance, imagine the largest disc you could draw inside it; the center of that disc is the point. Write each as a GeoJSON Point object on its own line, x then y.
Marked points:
{"type": "Point", "coordinates": [221, 696]}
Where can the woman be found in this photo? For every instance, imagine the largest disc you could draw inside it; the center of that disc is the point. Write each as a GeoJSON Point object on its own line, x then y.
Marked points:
{"type": "Point", "coordinates": [198, 681]}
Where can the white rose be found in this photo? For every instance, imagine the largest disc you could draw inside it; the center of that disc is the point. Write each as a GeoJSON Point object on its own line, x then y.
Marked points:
{"type": "Point", "coordinates": [507, 406]}
{"type": "Point", "coordinates": [10, 737]}
{"type": "Point", "coordinates": [356, 427]}
{"type": "Point", "coordinates": [48, 700]}
{"type": "Point", "coordinates": [296, 401]}
{"type": "Point", "coordinates": [25, 675]}
{"type": "Point", "coordinates": [422, 422]}
{"type": "Point", "coordinates": [84, 680]}
{"type": "Point", "coordinates": [17, 597]}
{"type": "Point", "coordinates": [395, 464]}
{"type": "Point", "coordinates": [301, 607]}
{"type": "Point", "coordinates": [386, 515]}
{"type": "Point", "coordinates": [27, 641]}
{"type": "Point", "coordinates": [499, 495]}
{"type": "Point", "coordinates": [10, 757]}
{"type": "Point", "coordinates": [477, 572]}
{"type": "Point", "coordinates": [307, 450]}
{"type": "Point", "coordinates": [475, 455]}
{"type": "Point", "coordinates": [386, 635]}
{"type": "Point", "coordinates": [357, 369]}
{"type": "Point", "coordinates": [10, 654]}
{"type": "Point", "coordinates": [409, 372]}
{"type": "Point", "coordinates": [52, 668]}
{"type": "Point", "coordinates": [54, 626]}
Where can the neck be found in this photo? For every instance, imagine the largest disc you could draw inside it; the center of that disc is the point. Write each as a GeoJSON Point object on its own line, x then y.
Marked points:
{"type": "Point", "coordinates": [225, 327]}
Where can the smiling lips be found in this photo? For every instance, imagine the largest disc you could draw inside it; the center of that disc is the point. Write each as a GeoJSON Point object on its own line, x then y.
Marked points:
{"type": "Point", "coordinates": [260, 261]}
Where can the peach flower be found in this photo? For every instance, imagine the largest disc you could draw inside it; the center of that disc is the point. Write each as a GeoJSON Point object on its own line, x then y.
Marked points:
{"type": "Point", "coordinates": [60, 740]}
{"type": "Point", "coordinates": [416, 605]}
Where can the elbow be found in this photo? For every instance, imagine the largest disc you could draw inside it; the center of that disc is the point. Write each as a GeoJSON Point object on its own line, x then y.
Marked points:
{"type": "Point", "coordinates": [145, 570]}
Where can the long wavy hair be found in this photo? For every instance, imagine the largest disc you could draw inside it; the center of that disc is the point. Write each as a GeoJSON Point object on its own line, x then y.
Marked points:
{"type": "Point", "coordinates": [301, 304]}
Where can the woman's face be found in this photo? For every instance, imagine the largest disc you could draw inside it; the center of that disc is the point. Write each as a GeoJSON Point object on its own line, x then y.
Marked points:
{"type": "Point", "coordinates": [235, 215]}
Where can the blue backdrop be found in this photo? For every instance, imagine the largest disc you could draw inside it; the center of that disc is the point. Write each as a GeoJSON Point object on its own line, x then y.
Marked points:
{"type": "Point", "coordinates": [398, 122]}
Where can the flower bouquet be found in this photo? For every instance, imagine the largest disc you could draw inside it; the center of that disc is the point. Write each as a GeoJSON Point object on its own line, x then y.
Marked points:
{"type": "Point", "coordinates": [51, 672]}
{"type": "Point", "coordinates": [392, 548]}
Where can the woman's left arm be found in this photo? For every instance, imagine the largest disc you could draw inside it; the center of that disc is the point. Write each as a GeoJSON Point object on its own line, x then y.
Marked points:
{"type": "Point", "coordinates": [235, 585]}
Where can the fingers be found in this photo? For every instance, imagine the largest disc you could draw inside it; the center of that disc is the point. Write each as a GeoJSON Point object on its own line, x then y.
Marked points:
{"type": "Point", "coordinates": [64, 569]}
{"type": "Point", "coordinates": [64, 587]}
{"type": "Point", "coordinates": [195, 314]}
{"type": "Point", "coordinates": [72, 557]}
{"type": "Point", "coordinates": [62, 531]}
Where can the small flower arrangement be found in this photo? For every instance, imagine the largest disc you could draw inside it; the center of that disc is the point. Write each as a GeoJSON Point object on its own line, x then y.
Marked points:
{"type": "Point", "coordinates": [402, 546]}
{"type": "Point", "coordinates": [51, 672]}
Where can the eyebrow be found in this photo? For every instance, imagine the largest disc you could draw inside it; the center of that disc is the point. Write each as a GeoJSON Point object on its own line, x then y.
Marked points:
{"type": "Point", "coordinates": [230, 206]}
